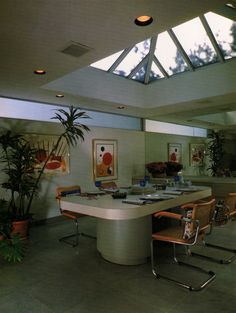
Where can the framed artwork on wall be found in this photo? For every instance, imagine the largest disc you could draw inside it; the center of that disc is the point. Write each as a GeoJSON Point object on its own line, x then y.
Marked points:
{"type": "Point", "coordinates": [197, 154]}
{"type": "Point", "coordinates": [43, 145]}
{"type": "Point", "coordinates": [175, 152]}
{"type": "Point", "coordinates": [104, 159]}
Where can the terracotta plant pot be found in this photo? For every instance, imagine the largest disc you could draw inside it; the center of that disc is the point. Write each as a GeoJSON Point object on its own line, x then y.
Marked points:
{"type": "Point", "coordinates": [21, 228]}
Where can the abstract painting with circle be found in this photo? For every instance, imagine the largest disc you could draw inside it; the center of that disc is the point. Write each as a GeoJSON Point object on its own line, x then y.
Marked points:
{"type": "Point", "coordinates": [105, 159]}
{"type": "Point", "coordinates": [43, 145]}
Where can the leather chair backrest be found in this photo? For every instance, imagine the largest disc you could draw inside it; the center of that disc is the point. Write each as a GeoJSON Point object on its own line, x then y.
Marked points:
{"type": "Point", "coordinates": [204, 213]}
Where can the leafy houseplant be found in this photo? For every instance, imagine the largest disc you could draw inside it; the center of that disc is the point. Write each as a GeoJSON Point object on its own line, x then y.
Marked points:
{"type": "Point", "coordinates": [172, 168]}
{"type": "Point", "coordinates": [157, 169]}
{"type": "Point", "coordinates": [18, 158]}
{"type": "Point", "coordinates": [215, 152]}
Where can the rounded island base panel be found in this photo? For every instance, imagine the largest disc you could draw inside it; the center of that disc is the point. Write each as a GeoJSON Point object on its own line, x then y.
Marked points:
{"type": "Point", "coordinates": [125, 242]}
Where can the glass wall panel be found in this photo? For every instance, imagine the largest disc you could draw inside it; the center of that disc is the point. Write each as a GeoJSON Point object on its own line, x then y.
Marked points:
{"type": "Point", "coordinates": [27, 110]}
{"type": "Point", "coordinates": [175, 129]}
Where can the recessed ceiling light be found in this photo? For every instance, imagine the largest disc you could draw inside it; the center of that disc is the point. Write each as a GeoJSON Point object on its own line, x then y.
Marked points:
{"type": "Point", "coordinates": [230, 5]}
{"type": "Point", "coordinates": [121, 107]}
{"type": "Point", "coordinates": [60, 96]}
{"type": "Point", "coordinates": [143, 20]}
{"type": "Point", "coordinates": [40, 72]}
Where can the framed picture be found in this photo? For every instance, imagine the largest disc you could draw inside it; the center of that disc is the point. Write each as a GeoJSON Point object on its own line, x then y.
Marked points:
{"type": "Point", "coordinates": [43, 144]}
{"type": "Point", "coordinates": [197, 154]}
{"type": "Point", "coordinates": [175, 152]}
{"type": "Point", "coordinates": [104, 159]}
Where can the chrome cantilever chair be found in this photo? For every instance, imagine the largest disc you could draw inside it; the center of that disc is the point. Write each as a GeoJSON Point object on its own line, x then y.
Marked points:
{"type": "Point", "coordinates": [229, 213]}
{"type": "Point", "coordinates": [63, 192]}
{"type": "Point", "coordinates": [190, 229]}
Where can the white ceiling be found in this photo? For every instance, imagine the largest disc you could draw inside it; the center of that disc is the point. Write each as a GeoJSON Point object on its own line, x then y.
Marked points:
{"type": "Point", "coordinates": [33, 36]}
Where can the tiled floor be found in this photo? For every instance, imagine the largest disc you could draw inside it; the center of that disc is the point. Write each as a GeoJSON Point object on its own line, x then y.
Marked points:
{"type": "Point", "coordinates": [56, 278]}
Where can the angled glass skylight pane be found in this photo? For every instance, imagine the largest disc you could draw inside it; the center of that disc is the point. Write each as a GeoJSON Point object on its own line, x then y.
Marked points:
{"type": "Point", "coordinates": [168, 55]}
{"type": "Point", "coordinates": [106, 63]}
{"type": "Point", "coordinates": [224, 30]}
{"type": "Point", "coordinates": [196, 42]}
{"type": "Point", "coordinates": [133, 58]}
{"type": "Point", "coordinates": [140, 74]}
{"type": "Point", "coordinates": [155, 73]}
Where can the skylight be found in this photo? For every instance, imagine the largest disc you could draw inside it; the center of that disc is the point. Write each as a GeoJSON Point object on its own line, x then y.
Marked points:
{"type": "Point", "coordinates": [198, 42]}
{"type": "Point", "coordinates": [168, 55]}
{"type": "Point", "coordinates": [106, 63]}
{"type": "Point", "coordinates": [224, 31]}
{"type": "Point", "coordinates": [134, 57]}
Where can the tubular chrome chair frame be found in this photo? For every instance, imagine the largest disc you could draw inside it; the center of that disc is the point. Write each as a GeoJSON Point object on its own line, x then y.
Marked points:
{"type": "Point", "coordinates": [199, 232]}
{"type": "Point", "coordinates": [230, 201]}
{"type": "Point", "coordinates": [71, 215]}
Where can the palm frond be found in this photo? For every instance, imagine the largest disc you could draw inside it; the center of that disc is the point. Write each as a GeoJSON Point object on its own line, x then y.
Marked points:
{"type": "Point", "coordinates": [74, 130]}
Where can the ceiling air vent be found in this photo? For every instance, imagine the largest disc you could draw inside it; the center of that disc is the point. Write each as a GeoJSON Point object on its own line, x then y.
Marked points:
{"type": "Point", "coordinates": [76, 50]}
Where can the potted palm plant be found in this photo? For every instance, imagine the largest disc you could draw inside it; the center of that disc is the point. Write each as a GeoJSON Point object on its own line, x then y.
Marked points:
{"type": "Point", "coordinates": [21, 181]}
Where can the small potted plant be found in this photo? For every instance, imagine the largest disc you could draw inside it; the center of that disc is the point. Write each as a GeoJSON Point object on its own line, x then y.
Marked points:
{"type": "Point", "coordinates": [157, 169]}
{"type": "Point", "coordinates": [172, 168]}
{"type": "Point", "coordinates": [21, 180]}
